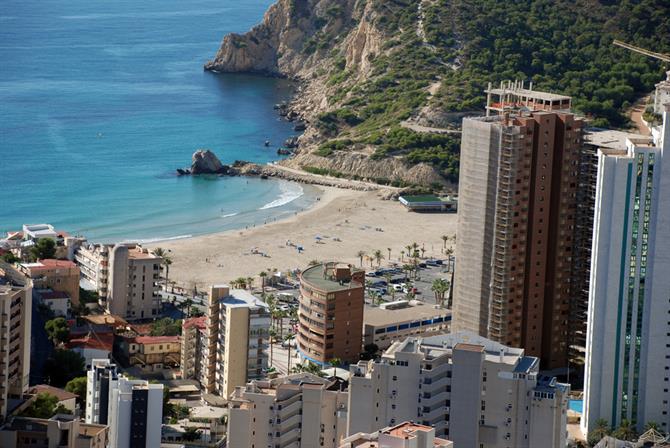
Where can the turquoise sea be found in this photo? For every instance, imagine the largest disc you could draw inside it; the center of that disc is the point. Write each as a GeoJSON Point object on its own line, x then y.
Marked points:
{"type": "Point", "coordinates": [100, 101]}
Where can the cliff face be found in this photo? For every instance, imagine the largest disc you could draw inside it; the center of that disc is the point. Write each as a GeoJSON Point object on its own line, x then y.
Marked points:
{"type": "Point", "coordinates": [331, 46]}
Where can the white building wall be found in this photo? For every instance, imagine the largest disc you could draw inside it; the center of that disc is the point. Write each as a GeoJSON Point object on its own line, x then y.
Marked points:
{"type": "Point", "coordinates": [619, 295]}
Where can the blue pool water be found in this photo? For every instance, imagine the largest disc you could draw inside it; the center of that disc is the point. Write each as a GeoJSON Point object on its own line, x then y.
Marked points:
{"type": "Point", "coordinates": [576, 405]}
{"type": "Point", "coordinates": [101, 101]}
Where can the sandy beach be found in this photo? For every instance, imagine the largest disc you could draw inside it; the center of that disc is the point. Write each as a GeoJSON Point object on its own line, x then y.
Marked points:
{"type": "Point", "coordinates": [339, 225]}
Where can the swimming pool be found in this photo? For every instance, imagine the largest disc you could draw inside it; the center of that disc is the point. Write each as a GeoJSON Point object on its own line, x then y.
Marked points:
{"type": "Point", "coordinates": [576, 405]}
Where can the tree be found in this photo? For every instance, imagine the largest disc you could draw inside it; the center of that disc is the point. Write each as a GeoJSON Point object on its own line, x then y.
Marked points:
{"type": "Point", "coordinates": [378, 257]}
{"type": "Point", "coordinates": [445, 238]}
{"type": "Point", "coordinates": [263, 275]}
{"type": "Point", "coordinates": [167, 261]}
{"type": "Point", "coordinates": [360, 254]}
{"type": "Point", "coordinates": [250, 282]}
{"type": "Point", "coordinates": [402, 255]}
{"type": "Point", "coordinates": [600, 430]}
{"type": "Point", "coordinates": [439, 287]}
{"type": "Point", "coordinates": [57, 330]}
{"type": "Point", "coordinates": [653, 425]}
{"type": "Point", "coordinates": [63, 366]}
{"type": "Point", "coordinates": [10, 258]}
{"type": "Point", "coordinates": [389, 251]}
{"type": "Point", "coordinates": [272, 335]}
{"type": "Point", "coordinates": [44, 405]}
{"type": "Point", "coordinates": [625, 431]}
{"type": "Point", "coordinates": [289, 339]}
{"type": "Point", "coordinates": [43, 249]}
{"type": "Point", "coordinates": [77, 386]}
{"type": "Point", "coordinates": [335, 363]}
{"type": "Point", "coordinates": [166, 327]}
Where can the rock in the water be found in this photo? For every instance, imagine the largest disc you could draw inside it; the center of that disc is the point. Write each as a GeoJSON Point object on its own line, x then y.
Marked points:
{"type": "Point", "coordinates": [205, 161]}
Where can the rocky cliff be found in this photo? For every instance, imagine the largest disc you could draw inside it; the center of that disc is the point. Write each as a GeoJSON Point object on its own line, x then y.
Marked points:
{"type": "Point", "coordinates": [384, 83]}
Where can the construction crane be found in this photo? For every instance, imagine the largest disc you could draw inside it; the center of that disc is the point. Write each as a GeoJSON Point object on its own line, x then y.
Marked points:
{"type": "Point", "coordinates": [651, 54]}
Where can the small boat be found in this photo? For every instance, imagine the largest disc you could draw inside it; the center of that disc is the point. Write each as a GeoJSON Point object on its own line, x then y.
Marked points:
{"type": "Point", "coordinates": [267, 142]}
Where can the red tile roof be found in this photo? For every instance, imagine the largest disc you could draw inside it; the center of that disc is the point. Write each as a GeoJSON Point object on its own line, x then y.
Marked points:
{"type": "Point", "coordinates": [61, 394]}
{"type": "Point", "coordinates": [141, 329]}
{"type": "Point", "coordinates": [49, 263]}
{"type": "Point", "coordinates": [155, 339]}
{"type": "Point", "coordinates": [198, 322]}
{"type": "Point", "coordinates": [103, 341]}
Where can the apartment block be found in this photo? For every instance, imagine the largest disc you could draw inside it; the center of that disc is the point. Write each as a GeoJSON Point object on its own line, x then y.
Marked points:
{"type": "Point", "coordinates": [332, 297]}
{"type": "Point", "coordinates": [195, 349]}
{"type": "Point", "coordinates": [126, 276]}
{"type": "Point", "coordinates": [153, 352]}
{"type": "Point", "coordinates": [471, 390]}
{"type": "Point", "coordinates": [228, 349]}
{"type": "Point", "coordinates": [15, 326]}
{"type": "Point", "coordinates": [519, 177]}
{"type": "Point", "coordinates": [133, 409]}
{"type": "Point", "coordinates": [628, 343]}
{"type": "Point", "coordinates": [404, 435]}
{"type": "Point", "coordinates": [59, 431]}
{"type": "Point", "coordinates": [300, 411]}
{"type": "Point", "coordinates": [57, 275]}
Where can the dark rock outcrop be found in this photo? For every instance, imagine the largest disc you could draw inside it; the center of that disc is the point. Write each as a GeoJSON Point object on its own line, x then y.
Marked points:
{"type": "Point", "coordinates": [205, 161]}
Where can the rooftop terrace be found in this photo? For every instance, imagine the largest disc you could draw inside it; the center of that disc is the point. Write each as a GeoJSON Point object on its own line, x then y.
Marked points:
{"type": "Point", "coordinates": [323, 277]}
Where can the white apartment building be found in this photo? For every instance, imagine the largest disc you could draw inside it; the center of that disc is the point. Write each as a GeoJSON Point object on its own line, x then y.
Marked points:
{"type": "Point", "coordinates": [126, 277]}
{"type": "Point", "coordinates": [498, 398]}
{"type": "Point", "coordinates": [298, 411]}
{"type": "Point", "coordinates": [133, 409]}
{"type": "Point", "coordinates": [15, 325]}
{"type": "Point", "coordinates": [628, 339]}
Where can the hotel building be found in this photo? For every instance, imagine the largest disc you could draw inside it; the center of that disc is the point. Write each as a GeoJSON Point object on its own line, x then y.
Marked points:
{"type": "Point", "coordinates": [519, 177]}
{"type": "Point", "coordinates": [498, 398]}
{"type": "Point", "coordinates": [57, 275]}
{"type": "Point", "coordinates": [332, 296]}
{"type": "Point", "coordinates": [628, 344]}
{"type": "Point", "coordinates": [15, 326]}
{"type": "Point", "coordinates": [194, 349]}
{"type": "Point", "coordinates": [301, 410]}
{"type": "Point", "coordinates": [133, 409]}
{"type": "Point", "coordinates": [59, 431]}
{"type": "Point", "coordinates": [231, 349]}
{"type": "Point", "coordinates": [126, 277]}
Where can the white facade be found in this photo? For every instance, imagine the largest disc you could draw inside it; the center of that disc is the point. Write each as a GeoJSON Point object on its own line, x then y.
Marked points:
{"type": "Point", "coordinates": [298, 411]}
{"type": "Point", "coordinates": [628, 339]}
{"type": "Point", "coordinates": [497, 396]}
{"type": "Point", "coordinates": [133, 409]}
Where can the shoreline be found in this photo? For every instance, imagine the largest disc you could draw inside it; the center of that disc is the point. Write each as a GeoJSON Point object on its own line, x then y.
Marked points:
{"type": "Point", "coordinates": [336, 227]}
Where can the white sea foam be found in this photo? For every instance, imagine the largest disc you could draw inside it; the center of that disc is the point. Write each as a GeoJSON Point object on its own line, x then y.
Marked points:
{"type": "Point", "coordinates": [229, 215]}
{"type": "Point", "coordinates": [161, 239]}
{"type": "Point", "coordinates": [289, 192]}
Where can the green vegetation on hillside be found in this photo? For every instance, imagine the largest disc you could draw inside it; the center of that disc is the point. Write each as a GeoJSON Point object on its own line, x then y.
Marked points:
{"type": "Point", "coordinates": [563, 46]}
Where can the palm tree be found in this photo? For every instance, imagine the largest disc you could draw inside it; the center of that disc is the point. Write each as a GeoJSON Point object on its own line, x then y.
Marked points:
{"type": "Point", "coordinates": [625, 431]}
{"type": "Point", "coordinates": [263, 275]}
{"type": "Point", "coordinates": [600, 430]}
{"type": "Point", "coordinates": [415, 249]}
{"type": "Point", "coordinates": [439, 287]}
{"type": "Point", "coordinates": [423, 252]}
{"type": "Point", "coordinates": [653, 425]}
{"type": "Point", "coordinates": [402, 255]}
{"type": "Point", "coordinates": [378, 256]}
{"type": "Point", "coordinates": [250, 282]}
{"type": "Point", "coordinates": [360, 254]}
{"type": "Point", "coordinates": [335, 363]}
{"type": "Point", "coordinates": [445, 238]}
{"type": "Point", "coordinates": [389, 251]}
{"type": "Point", "coordinates": [313, 263]}
{"type": "Point", "coordinates": [371, 259]}
{"type": "Point", "coordinates": [272, 335]}
{"type": "Point", "coordinates": [449, 252]}
{"type": "Point", "coordinates": [409, 250]}
{"type": "Point", "coordinates": [167, 261]}
{"type": "Point", "coordinates": [289, 338]}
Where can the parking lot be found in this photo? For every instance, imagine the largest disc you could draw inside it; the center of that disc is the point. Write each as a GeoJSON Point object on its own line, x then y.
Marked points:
{"type": "Point", "coordinates": [392, 283]}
